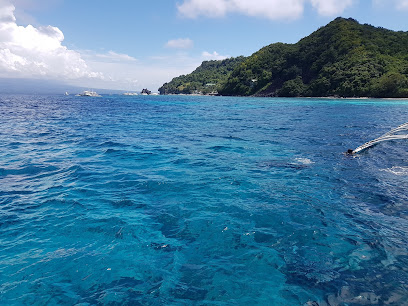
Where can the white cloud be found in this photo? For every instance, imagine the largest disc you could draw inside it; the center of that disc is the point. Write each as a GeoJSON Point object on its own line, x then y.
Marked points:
{"type": "Point", "coordinates": [212, 8]}
{"type": "Point", "coordinates": [213, 56]}
{"type": "Point", "coordinates": [331, 7]}
{"type": "Point", "coordinates": [402, 4]}
{"type": "Point", "coordinates": [270, 9]}
{"type": "Point", "coordinates": [112, 56]}
{"type": "Point", "coordinates": [397, 4]}
{"type": "Point", "coordinates": [36, 51]}
{"type": "Point", "coordinates": [181, 43]}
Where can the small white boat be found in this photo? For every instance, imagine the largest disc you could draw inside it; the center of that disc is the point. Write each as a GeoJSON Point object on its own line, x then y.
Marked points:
{"type": "Point", "coordinates": [130, 94]}
{"type": "Point", "coordinates": [66, 93]}
{"type": "Point", "coordinates": [89, 93]}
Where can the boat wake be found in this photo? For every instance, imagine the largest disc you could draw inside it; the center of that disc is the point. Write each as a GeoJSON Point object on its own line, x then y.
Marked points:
{"type": "Point", "coordinates": [396, 170]}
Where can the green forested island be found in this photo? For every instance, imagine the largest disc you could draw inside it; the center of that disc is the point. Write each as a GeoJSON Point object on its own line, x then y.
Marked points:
{"type": "Point", "coordinates": [344, 59]}
{"type": "Point", "coordinates": [207, 78]}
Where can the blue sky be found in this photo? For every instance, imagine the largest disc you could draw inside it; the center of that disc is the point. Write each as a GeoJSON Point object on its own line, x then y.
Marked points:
{"type": "Point", "coordinates": [132, 44]}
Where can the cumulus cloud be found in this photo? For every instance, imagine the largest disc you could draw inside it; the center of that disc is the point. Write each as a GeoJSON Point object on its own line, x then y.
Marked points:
{"type": "Point", "coordinates": [331, 7]}
{"type": "Point", "coordinates": [181, 43]}
{"type": "Point", "coordinates": [212, 8]}
{"type": "Point", "coordinates": [213, 56]}
{"type": "Point", "coordinates": [271, 9]}
{"type": "Point", "coordinates": [36, 51]}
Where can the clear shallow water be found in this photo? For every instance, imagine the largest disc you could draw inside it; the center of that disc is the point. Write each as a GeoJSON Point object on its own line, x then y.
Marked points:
{"type": "Point", "coordinates": [201, 201]}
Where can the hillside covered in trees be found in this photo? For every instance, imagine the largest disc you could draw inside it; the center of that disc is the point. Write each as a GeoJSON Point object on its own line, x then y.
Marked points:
{"type": "Point", "coordinates": [344, 59]}
{"type": "Point", "coordinates": [209, 77]}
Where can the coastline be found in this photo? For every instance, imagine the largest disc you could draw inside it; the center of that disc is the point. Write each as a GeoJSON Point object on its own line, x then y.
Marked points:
{"type": "Point", "coordinates": [327, 98]}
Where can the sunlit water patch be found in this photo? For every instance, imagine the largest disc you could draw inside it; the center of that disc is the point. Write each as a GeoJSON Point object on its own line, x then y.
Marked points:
{"type": "Point", "coordinates": [201, 200]}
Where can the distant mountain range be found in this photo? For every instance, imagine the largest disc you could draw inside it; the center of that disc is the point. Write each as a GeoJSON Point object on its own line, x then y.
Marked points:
{"type": "Point", "coordinates": [43, 87]}
{"type": "Point", "coordinates": [344, 58]}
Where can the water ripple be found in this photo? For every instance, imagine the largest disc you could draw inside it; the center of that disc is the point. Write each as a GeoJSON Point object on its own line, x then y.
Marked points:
{"type": "Point", "coordinates": [197, 200]}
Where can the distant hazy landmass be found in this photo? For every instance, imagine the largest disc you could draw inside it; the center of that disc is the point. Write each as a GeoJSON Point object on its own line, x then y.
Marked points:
{"type": "Point", "coordinates": [344, 58]}
{"type": "Point", "coordinates": [42, 87]}
{"type": "Point", "coordinates": [34, 86]}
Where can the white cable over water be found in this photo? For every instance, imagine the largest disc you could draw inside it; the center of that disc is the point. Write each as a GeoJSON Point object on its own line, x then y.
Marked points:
{"type": "Point", "coordinates": [387, 136]}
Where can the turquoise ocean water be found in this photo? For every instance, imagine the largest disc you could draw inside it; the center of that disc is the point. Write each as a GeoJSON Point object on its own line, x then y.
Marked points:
{"type": "Point", "coordinates": [175, 200]}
